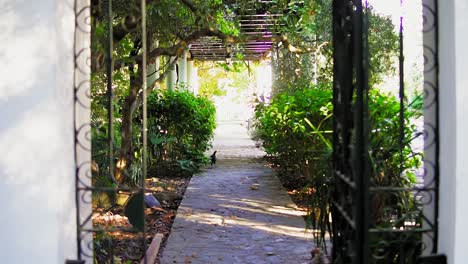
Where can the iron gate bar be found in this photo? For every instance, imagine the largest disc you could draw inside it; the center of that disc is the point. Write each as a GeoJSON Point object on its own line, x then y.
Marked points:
{"type": "Point", "coordinates": [110, 104]}
{"type": "Point", "coordinates": [83, 176]}
{"type": "Point", "coordinates": [401, 91]}
{"type": "Point", "coordinates": [353, 231]}
{"type": "Point", "coordinates": [110, 92]}
{"type": "Point", "coordinates": [360, 162]}
{"type": "Point", "coordinates": [145, 121]}
{"type": "Point", "coordinates": [344, 227]}
{"type": "Point", "coordinates": [431, 75]}
{"type": "Point", "coordinates": [81, 110]}
{"type": "Point", "coordinates": [79, 259]}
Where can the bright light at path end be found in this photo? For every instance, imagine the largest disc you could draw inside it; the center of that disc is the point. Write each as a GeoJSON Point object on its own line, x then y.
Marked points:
{"type": "Point", "coordinates": [264, 80]}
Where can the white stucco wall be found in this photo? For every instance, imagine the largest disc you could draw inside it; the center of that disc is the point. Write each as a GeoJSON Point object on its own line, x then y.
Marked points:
{"type": "Point", "coordinates": [37, 217]}
{"type": "Point", "coordinates": [453, 54]}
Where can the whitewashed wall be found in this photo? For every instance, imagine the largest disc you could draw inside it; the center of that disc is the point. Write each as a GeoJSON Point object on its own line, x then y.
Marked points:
{"type": "Point", "coordinates": [37, 211]}
{"type": "Point", "coordinates": [453, 52]}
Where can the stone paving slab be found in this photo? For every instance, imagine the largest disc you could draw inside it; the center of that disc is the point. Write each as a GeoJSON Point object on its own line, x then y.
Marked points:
{"type": "Point", "coordinates": [222, 219]}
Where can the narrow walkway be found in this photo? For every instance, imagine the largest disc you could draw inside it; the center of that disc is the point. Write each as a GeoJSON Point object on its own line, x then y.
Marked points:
{"type": "Point", "coordinates": [237, 211]}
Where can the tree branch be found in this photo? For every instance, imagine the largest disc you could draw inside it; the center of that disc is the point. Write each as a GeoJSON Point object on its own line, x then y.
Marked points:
{"type": "Point", "coordinates": [284, 40]}
{"type": "Point", "coordinates": [139, 100]}
{"type": "Point", "coordinates": [179, 48]}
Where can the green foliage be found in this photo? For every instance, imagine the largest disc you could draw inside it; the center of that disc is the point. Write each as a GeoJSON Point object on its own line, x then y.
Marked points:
{"type": "Point", "coordinates": [237, 75]}
{"type": "Point", "coordinates": [307, 25]}
{"type": "Point", "coordinates": [296, 129]}
{"type": "Point", "coordinates": [392, 159]}
{"type": "Point", "coordinates": [296, 117]}
{"type": "Point", "coordinates": [101, 247]}
{"type": "Point", "coordinates": [170, 26]}
{"type": "Point", "coordinates": [383, 46]}
{"type": "Point", "coordinates": [180, 126]}
{"type": "Point", "coordinates": [385, 138]}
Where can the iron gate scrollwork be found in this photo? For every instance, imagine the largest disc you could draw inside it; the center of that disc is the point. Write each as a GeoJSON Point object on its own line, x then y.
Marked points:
{"type": "Point", "coordinates": [382, 212]}
{"type": "Point", "coordinates": [86, 190]}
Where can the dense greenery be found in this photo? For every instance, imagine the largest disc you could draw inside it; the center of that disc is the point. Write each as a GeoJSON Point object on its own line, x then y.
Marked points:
{"type": "Point", "coordinates": [171, 25]}
{"type": "Point", "coordinates": [236, 75]}
{"type": "Point", "coordinates": [181, 126]}
{"type": "Point", "coordinates": [309, 27]}
{"type": "Point", "coordinates": [295, 117]}
{"type": "Point", "coordinates": [295, 128]}
{"type": "Point", "coordinates": [303, 118]}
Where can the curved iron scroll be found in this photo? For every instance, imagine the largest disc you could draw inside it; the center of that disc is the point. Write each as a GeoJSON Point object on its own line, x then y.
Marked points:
{"type": "Point", "coordinates": [82, 123]}
{"type": "Point", "coordinates": [84, 188]}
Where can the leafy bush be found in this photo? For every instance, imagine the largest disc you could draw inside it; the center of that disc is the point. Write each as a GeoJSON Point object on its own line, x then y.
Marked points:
{"type": "Point", "coordinates": [296, 129]}
{"type": "Point", "coordinates": [180, 127]}
{"type": "Point", "coordinates": [394, 160]}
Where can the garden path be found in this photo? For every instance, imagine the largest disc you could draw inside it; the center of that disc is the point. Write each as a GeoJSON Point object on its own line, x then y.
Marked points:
{"type": "Point", "coordinates": [237, 211]}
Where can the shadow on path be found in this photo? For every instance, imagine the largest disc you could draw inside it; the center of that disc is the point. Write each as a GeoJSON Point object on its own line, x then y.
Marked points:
{"type": "Point", "coordinates": [237, 211]}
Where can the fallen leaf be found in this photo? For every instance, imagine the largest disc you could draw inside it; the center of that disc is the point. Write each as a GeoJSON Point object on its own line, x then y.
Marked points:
{"type": "Point", "coordinates": [254, 186]}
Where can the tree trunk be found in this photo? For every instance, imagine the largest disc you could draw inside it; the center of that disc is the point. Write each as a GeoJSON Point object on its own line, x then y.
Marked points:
{"type": "Point", "coordinates": [130, 104]}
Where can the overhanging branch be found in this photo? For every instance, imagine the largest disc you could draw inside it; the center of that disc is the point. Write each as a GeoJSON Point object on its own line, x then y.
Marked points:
{"type": "Point", "coordinates": [301, 50]}
{"type": "Point", "coordinates": [161, 77]}
{"type": "Point", "coordinates": [179, 48]}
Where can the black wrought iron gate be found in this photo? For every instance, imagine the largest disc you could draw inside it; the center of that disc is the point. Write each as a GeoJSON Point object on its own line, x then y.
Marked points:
{"type": "Point", "coordinates": [94, 239]}
{"type": "Point", "coordinates": [385, 196]}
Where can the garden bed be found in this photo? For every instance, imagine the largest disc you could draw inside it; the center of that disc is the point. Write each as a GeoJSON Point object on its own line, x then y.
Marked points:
{"type": "Point", "coordinates": [294, 185]}
{"type": "Point", "coordinates": [128, 247]}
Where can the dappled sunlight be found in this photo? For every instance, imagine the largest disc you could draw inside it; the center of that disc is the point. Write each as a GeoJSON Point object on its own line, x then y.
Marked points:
{"type": "Point", "coordinates": [243, 200]}
{"type": "Point", "coordinates": [274, 229]}
{"type": "Point", "coordinates": [259, 206]}
{"type": "Point", "coordinates": [239, 204]}
{"type": "Point", "coordinates": [198, 217]}
{"type": "Point", "coordinates": [270, 210]}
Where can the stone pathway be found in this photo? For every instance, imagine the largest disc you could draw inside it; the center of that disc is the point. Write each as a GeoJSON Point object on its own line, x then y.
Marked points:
{"type": "Point", "coordinates": [237, 211]}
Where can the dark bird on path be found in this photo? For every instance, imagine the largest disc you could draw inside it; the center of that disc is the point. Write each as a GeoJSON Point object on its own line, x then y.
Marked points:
{"type": "Point", "coordinates": [213, 158]}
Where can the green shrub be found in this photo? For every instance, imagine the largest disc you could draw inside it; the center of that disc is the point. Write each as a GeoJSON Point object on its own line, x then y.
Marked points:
{"type": "Point", "coordinates": [296, 126]}
{"type": "Point", "coordinates": [180, 127]}
{"type": "Point", "coordinates": [296, 130]}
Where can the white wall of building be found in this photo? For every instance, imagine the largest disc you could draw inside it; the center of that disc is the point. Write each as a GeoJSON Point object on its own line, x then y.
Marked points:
{"type": "Point", "coordinates": [37, 218]}
{"type": "Point", "coordinates": [453, 55]}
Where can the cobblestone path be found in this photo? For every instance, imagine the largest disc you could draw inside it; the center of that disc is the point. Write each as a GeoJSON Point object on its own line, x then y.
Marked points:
{"type": "Point", "coordinates": [237, 211]}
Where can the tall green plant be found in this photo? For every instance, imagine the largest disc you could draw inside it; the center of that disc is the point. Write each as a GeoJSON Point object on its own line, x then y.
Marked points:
{"type": "Point", "coordinates": [302, 119]}
{"type": "Point", "coordinates": [181, 126]}
{"type": "Point", "coordinates": [295, 128]}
